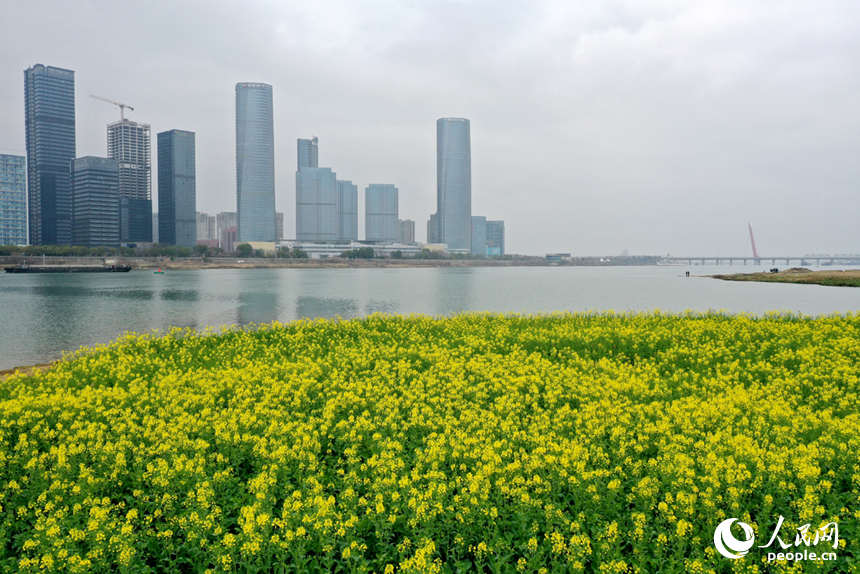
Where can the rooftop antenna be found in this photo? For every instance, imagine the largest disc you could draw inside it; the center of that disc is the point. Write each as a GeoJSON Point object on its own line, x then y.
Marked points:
{"type": "Point", "coordinates": [121, 106]}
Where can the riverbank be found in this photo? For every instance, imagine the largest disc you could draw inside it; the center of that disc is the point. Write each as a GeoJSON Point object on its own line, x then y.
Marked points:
{"type": "Point", "coordinates": [331, 263]}
{"type": "Point", "coordinates": [847, 278]}
{"type": "Point", "coordinates": [31, 370]}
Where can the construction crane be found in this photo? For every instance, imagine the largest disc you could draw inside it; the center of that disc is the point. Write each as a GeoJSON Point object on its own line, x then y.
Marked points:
{"type": "Point", "coordinates": [121, 106]}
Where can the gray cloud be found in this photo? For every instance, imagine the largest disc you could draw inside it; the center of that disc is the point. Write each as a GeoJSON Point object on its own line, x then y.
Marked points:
{"type": "Point", "coordinates": [596, 126]}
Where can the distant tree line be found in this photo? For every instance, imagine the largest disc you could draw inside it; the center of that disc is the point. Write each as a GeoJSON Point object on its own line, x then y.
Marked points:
{"type": "Point", "coordinates": [360, 253]}
{"type": "Point", "coordinates": [66, 251]}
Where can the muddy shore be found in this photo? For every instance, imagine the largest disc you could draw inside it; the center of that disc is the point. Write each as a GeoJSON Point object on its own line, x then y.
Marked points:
{"type": "Point", "coordinates": [834, 278]}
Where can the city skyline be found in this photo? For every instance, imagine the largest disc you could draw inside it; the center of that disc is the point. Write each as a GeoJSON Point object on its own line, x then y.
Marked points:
{"type": "Point", "coordinates": [598, 127]}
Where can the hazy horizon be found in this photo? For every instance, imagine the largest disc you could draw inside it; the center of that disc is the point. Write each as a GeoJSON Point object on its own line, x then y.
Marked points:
{"type": "Point", "coordinates": [596, 127]}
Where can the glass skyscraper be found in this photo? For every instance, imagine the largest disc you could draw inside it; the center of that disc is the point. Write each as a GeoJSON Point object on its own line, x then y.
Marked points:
{"type": "Point", "coordinates": [495, 237]}
{"type": "Point", "coordinates": [255, 163]}
{"type": "Point", "coordinates": [317, 196]}
{"type": "Point", "coordinates": [129, 143]}
{"type": "Point", "coordinates": [380, 213]}
{"type": "Point", "coordinates": [309, 155]}
{"type": "Point", "coordinates": [316, 204]}
{"type": "Point", "coordinates": [454, 184]}
{"type": "Point", "coordinates": [177, 189]}
{"type": "Point", "coordinates": [49, 102]}
{"type": "Point", "coordinates": [13, 200]}
{"type": "Point", "coordinates": [479, 235]}
{"type": "Point", "coordinates": [347, 211]}
{"type": "Point", "coordinates": [95, 202]}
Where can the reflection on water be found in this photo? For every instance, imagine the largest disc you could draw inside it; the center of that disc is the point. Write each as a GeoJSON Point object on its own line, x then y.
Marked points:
{"type": "Point", "coordinates": [44, 315]}
{"type": "Point", "coordinates": [453, 290]}
{"type": "Point", "coordinates": [80, 291]}
{"type": "Point", "coordinates": [389, 307]}
{"type": "Point", "coordinates": [180, 295]}
{"type": "Point", "coordinates": [257, 308]}
{"type": "Point", "coordinates": [316, 307]}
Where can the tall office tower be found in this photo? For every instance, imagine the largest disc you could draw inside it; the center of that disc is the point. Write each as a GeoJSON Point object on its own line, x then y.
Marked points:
{"type": "Point", "coordinates": [49, 102]}
{"type": "Point", "coordinates": [95, 202]}
{"type": "Point", "coordinates": [13, 200]}
{"type": "Point", "coordinates": [177, 189]}
{"type": "Point", "coordinates": [316, 204]}
{"type": "Point", "coordinates": [309, 155]}
{"type": "Point", "coordinates": [433, 229]}
{"type": "Point", "coordinates": [380, 213]}
{"type": "Point", "coordinates": [407, 231]}
{"type": "Point", "coordinates": [129, 144]}
{"type": "Point", "coordinates": [279, 225]}
{"type": "Point", "coordinates": [495, 237]}
{"type": "Point", "coordinates": [347, 211]}
{"type": "Point", "coordinates": [479, 235]}
{"type": "Point", "coordinates": [317, 196]}
{"type": "Point", "coordinates": [224, 220]}
{"type": "Point", "coordinates": [454, 183]}
{"type": "Point", "coordinates": [155, 227]}
{"type": "Point", "coordinates": [255, 163]}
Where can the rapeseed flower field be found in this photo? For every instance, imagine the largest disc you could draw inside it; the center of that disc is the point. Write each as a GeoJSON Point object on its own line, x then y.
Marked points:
{"type": "Point", "coordinates": [598, 443]}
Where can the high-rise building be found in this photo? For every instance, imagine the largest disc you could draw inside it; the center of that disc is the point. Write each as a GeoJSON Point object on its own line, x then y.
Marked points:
{"type": "Point", "coordinates": [13, 200]}
{"type": "Point", "coordinates": [129, 144]}
{"type": "Point", "coordinates": [95, 202]}
{"type": "Point", "coordinates": [347, 211]}
{"type": "Point", "coordinates": [206, 227]}
{"type": "Point", "coordinates": [407, 231]}
{"type": "Point", "coordinates": [433, 229]}
{"type": "Point", "coordinates": [155, 227]}
{"type": "Point", "coordinates": [317, 196]}
{"type": "Point", "coordinates": [255, 163]}
{"type": "Point", "coordinates": [380, 213]}
{"type": "Point", "coordinates": [479, 235]}
{"type": "Point", "coordinates": [454, 184]}
{"type": "Point", "coordinates": [177, 189]}
{"type": "Point", "coordinates": [49, 102]}
{"type": "Point", "coordinates": [228, 238]}
{"type": "Point", "coordinates": [495, 237]}
{"type": "Point", "coordinates": [316, 204]}
{"type": "Point", "coordinates": [224, 220]}
{"type": "Point", "coordinates": [309, 155]}
{"type": "Point", "coordinates": [279, 225]}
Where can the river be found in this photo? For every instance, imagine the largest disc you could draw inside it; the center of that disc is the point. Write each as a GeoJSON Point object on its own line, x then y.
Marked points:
{"type": "Point", "coordinates": [46, 315]}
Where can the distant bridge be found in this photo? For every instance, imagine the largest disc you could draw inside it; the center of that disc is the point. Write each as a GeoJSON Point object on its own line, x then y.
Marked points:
{"type": "Point", "coordinates": [852, 259]}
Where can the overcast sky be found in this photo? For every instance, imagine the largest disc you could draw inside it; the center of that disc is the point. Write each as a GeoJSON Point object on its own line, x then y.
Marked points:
{"type": "Point", "coordinates": [661, 126]}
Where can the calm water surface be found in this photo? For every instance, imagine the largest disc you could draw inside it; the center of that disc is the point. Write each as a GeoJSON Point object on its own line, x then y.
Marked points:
{"type": "Point", "coordinates": [45, 315]}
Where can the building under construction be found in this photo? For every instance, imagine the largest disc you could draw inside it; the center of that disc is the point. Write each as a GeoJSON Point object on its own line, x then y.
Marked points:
{"type": "Point", "coordinates": [129, 144]}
